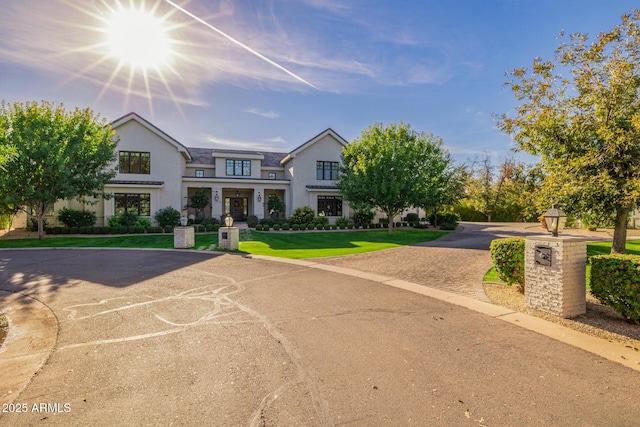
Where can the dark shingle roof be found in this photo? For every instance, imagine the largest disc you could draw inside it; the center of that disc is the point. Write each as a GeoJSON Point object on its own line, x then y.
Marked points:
{"type": "Point", "coordinates": [206, 155]}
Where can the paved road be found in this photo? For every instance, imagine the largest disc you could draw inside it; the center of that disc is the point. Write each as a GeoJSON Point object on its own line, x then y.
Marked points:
{"type": "Point", "coordinates": [176, 338]}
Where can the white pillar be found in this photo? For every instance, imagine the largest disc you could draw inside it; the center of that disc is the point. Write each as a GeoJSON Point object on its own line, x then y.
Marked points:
{"type": "Point", "coordinates": [555, 275]}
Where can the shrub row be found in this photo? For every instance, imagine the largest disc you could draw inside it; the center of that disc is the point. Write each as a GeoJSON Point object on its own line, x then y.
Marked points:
{"type": "Point", "coordinates": [615, 281]}
{"type": "Point", "coordinates": [508, 260]}
{"type": "Point", "coordinates": [125, 230]}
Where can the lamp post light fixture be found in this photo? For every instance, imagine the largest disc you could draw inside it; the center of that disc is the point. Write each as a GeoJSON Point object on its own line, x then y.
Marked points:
{"type": "Point", "coordinates": [216, 197]}
{"type": "Point", "coordinates": [259, 197]}
{"type": "Point", "coordinates": [555, 219]}
{"type": "Point", "coordinates": [183, 221]}
{"type": "Point", "coordinates": [228, 221]}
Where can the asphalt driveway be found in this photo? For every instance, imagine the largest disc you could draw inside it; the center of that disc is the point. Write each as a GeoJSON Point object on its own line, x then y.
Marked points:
{"type": "Point", "coordinates": [187, 338]}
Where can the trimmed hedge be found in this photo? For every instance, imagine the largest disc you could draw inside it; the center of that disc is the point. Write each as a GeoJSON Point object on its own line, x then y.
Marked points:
{"type": "Point", "coordinates": [615, 281]}
{"type": "Point", "coordinates": [508, 259]}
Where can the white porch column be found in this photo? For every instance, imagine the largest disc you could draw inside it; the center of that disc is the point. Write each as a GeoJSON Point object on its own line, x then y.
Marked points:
{"type": "Point", "coordinates": [259, 201]}
{"type": "Point", "coordinates": [217, 207]}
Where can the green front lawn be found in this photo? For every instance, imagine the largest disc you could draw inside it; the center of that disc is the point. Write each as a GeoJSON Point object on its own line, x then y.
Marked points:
{"type": "Point", "coordinates": [272, 243]}
{"type": "Point", "coordinates": [319, 244]}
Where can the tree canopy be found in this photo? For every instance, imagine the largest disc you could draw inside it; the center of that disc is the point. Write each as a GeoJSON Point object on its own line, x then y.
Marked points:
{"type": "Point", "coordinates": [581, 114]}
{"type": "Point", "coordinates": [59, 154]}
{"type": "Point", "coordinates": [393, 167]}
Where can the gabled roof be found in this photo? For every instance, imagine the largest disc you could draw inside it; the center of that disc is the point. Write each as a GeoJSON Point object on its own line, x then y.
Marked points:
{"type": "Point", "coordinates": [133, 116]}
{"type": "Point", "coordinates": [312, 141]}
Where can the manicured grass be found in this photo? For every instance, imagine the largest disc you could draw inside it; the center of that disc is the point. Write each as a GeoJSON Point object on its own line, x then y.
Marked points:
{"type": "Point", "coordinates": [154, 241]}
{"type": "Point", "coordinates": [595, 248]}
{"type": "Point", "coordinates": [272, 243]}
{"type": "Point", "coordinates": [319, 244]}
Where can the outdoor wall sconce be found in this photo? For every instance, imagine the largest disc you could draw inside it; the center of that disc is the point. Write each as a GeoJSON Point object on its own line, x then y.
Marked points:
{"type": "Point", "coordinates": [555, 219]}
{"type": "Point", "coordinates": [216, 197]}
{"type": "Point", "coordinates": [228, 221]}
{"type": "Point", "coordinates": [237, 192]}
{"type": "Point", "coordinates": [259, 197]}
{"type": "Point", "coordinates": [183, 221]}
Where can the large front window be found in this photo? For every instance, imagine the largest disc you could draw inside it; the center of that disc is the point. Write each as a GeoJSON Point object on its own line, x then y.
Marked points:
{"type": "Point", "coordinates": [330, 205]}
{"type": "Point", "coordinates": [239, 167]}
{"type": "Point", "coordinates": [326, 170]}
{"type": "Point", "coordinates": [139, 204]}
{"type": "Point", "coordinates": [135, 162]}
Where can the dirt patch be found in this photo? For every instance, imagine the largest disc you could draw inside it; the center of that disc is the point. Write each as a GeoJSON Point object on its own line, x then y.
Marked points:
{"type": "Point", "coordinates": [599, 320]}
{"type": "Point", "coordinates": [4, 328]}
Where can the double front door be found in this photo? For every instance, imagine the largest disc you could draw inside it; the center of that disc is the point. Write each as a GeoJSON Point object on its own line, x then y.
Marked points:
{"type": "Point", "coordinates": [237, 207]}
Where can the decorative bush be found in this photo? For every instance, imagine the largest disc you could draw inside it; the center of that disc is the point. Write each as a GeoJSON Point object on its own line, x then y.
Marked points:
{"type": "Point", "coordinates": [302, 215]}
{"type": "Point", "coordinates": [64, 230]}
{"type": "Point", "coordinates": [296, 227]}
{"type": "Point", "coordinates": [252, 221]}
{"type": "Point", "coordinates": [105, 229]}
{"type": "Point", "coordinates": [412, 217]}
{"type": "Point", "coordinates": [448, 226]}
{"type": "Point", "coordinates": [363, 216]}
{"type": "Point", "coordinates": [342, 222]}
{"type": "Point", "coordinates": [76, 218]}
{"type": "Point", "coordinates": [212, 221]}
{"type": "Point", "coordinates": [56, 230]}
{"type": "Point", "coordinates": [143, 222]}
{"type": "Point", "coordinates": [276, 227]}
{"type": "Point", "coordinates": [350, 226]}
{"type": "Point", "coordinates": [508, 259]}
{"type": "Point", "coordinates": [167, 217]}
{"type": "Point", "coordinates": [167, 228]}
{"type": "Point", "coordinates": [322, 220]}
{"type": "Point", "coordinates": [115, 230]}
{"type": "Point", "coordinates": [216, 227]}
{"type": "Point", "coordinates": [310, 226]}
{"type": "Point", "coordinates": [326, 227]}
{"type": "Point", "coordinates": [258, 227]}
{"type": "Point", "coordinates": [208, 227]}
{"type": "Point", "coordinates": [286, 226]}
{"type": "Point", "coordinates": [74, 230]}
{"type": "Point", "coordinates": [132, 229]}
{"type": "Point", "coordinates": [615, 281]}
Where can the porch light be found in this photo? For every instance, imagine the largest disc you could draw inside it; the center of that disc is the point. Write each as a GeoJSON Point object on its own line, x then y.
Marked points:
{"type": "Point", "coordinates": [216, 197]}
{"type": "Point", "coordinates": [228, 221]}
{"type": "Point", "coordinates": [259, 197]}
{"type": "Point", "coordinates": [237, 192]}
{"type": "Point", "coordinates": [183, 221]}
{"type": "Point", "coordinates": [555, 220]}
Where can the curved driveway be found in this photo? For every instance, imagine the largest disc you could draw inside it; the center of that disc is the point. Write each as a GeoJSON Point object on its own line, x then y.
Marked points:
{"type": "Point", "coordinates": [188, 338]}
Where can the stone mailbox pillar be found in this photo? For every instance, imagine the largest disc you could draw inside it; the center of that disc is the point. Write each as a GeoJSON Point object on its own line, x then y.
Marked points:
{"type": "Point", "coordinates": [184, 237]}
{"type": "Point", "coordinates": [228, 238]}
{"type": "Point", "coordinates": [554, 275]}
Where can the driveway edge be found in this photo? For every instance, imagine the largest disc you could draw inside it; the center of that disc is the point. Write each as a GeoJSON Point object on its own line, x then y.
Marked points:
{"type": "Point", "coordinates": [613, 351]}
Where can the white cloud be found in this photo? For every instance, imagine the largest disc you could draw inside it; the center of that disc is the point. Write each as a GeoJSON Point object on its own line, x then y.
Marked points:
{"type": "Point", "coordinates": [267, 144]}
{"type": "Point", "coordinates": [265, 114]}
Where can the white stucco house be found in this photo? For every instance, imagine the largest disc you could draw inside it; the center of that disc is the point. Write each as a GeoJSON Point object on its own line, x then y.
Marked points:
{"type": "Point", "coordinates": [156, 171]}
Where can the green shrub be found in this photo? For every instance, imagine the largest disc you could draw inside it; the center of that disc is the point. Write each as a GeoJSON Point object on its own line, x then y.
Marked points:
{"type": "Point", "coordinates": [216, 227]}
{"type": "Point", "coordinates": [168, 228]}
{"type": "Point", "coordinates": [363, 216]}
{"type": "Point", "coordinates": [74, 230]}
{"type": "Point", "coordinates": [326, 227]}
{"type": "Point", "coordinates": [508, 259]}
{"type": "Point", "coordinates": [412, 217]}
{"type": "Point", "coordinates": [158, 229]}
{"type": "Point", "coordinates": [208, 227]}
{"type": "Point", "coordinates": [140, 230]}
{"type": "Point", "coordinates": [83, 229]}
{"type": "Point", "coordinates": [448, 226]}
{"type": "Point", "coordinates": [211, 221]}
{"type": "Point", "coordinates": [350, 226]}
{"type": "Point", "coordinates": [302, 215]}
{"type": "Point", "coordinates": [167, 217]}
{"type": "Point", "coordinates": [252, 221]}
{"type": "Point", "coordinates": [32, 224]}
{"type": "Point", "coordinates": [202, 228]}
{"type": "Point", "coordinates": [76, 218]}
{"type": "Point", "coordinates": [615, 281]}
{"type": "Point", "coordinates": [295, 227]}
{"type": "Point", "coordinates": [398, 224]}
{"type": "Point", "coordinates": [132, 229]}
{"type": "Point", "coordinates": [310, 226]}
{"type": "Point", "coordinates": [125, 219]}
{"type": "Point", "coordinates": [258, 227]}
{"type": "Point", "coordinates": [64, 230]}
{"type": "Point", "coordinates": [342, 222]}
{"type": "Point", "coordinates": [149, 230]}
{"type": "Point", "coordinates": [323, 220]}
{"type": "Point", "coordinates": [105, 229]}
{"type": "Point", "coordinates": [115, 230]}
{"type": "Point", "coordinates": [143, 222]}
{"type": "Point", "coordinates": [286, 226]}
{"type": "Point", "coordinates": [56, 230]}
{"type": "Point", "coordinates": [276, 227]}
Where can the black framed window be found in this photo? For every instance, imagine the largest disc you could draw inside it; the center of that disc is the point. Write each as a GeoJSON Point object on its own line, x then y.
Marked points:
{"type": "Point", "coordinates": [330, 205]}
{"type": "Point", "coordinates": [139, 204]}
{"type": "Point", "coordinates": [135, 162]}
{"type": "Point", "coordinates": [326, 170]}
{"type": "Point", "coordinates": [238, 167]}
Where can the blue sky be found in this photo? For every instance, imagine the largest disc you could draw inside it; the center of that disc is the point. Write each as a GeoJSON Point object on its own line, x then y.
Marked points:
{"type": "Point", "coordinates": [271, 74]}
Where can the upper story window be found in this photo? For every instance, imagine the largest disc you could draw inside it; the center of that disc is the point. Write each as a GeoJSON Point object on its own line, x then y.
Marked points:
{"type": "Point", "coordinates": [326, 170]}
{"type": "Point", "coordinates": [239, 167]}
{"type": "Point", "coordinates": [272, 175]}
{"type": "Point", "coordinates": [135, 162]}
{"type": "Point", "coordinates": [199, 173]}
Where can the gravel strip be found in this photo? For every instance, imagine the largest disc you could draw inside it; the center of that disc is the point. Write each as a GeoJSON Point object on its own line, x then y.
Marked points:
{"type": "Point", "coordinates": [599, 320]}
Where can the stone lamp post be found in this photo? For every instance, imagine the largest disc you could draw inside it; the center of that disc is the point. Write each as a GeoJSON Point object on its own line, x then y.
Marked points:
{"type": "Point", "coordinates": [555, 269]}
{"type": "Point", "coordinates": [228, 236]}
{"type": "Point", "coordinates": [184, 237]}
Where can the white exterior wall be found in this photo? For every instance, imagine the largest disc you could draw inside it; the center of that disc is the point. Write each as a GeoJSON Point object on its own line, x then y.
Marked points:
{"type": "Point", "coordinates": [167, 165]}
{"type": "Point", "coordinates": [301, 170]}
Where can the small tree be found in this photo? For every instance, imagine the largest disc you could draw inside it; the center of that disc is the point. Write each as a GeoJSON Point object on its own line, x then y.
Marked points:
{"type": "Point", "coordinates": [390, 168]}
{"type": "Point", "coordinates": [57, 155]}
{"type": "Point", "coordinates": [199, 200]}
{"type": "Point", "coordinates": [274, 204]}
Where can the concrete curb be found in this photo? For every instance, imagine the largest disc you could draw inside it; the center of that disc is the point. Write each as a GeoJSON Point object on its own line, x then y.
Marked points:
{"type": "Point", "coordinates": [33, 332]}
{"type": "Point", "coordinates": [613, 351]}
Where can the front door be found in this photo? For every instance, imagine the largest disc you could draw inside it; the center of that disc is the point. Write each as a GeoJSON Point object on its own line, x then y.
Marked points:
{"type": "Point", "coordinates": [239, 208]}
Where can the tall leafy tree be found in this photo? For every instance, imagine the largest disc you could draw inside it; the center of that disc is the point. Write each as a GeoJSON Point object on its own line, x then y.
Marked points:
{"type": "Point", "coordinates": [391, 168]}
{"type": "Point", "coordinates": [59, 154]}
{"type": "Point", "coordinates": [581, 114]}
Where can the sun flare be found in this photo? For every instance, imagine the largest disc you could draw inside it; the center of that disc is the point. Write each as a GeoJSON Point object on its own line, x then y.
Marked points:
{"type": "Point", "coordinates": [138, 38]}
